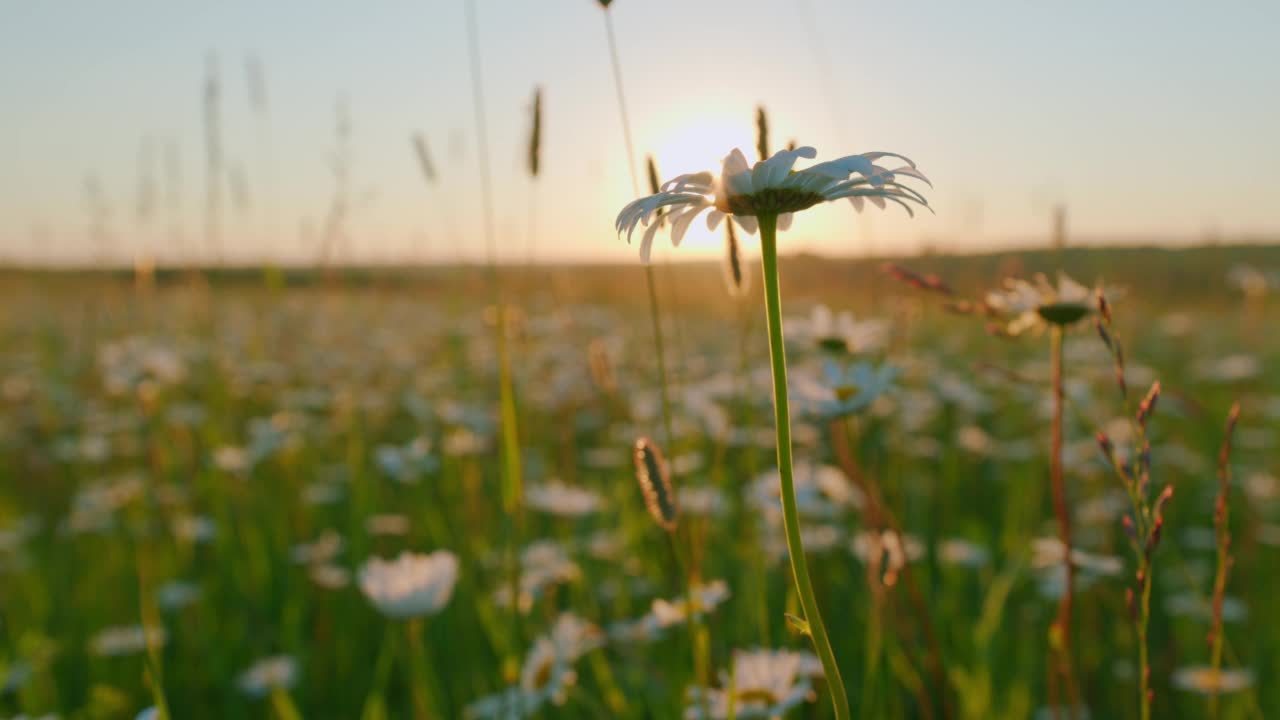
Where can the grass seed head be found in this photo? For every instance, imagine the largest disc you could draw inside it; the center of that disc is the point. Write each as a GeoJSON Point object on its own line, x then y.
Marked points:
{"type": "Point", "coordinates": [535, 134]}
{"type": "Point", "coordinates": [423, 154]}
{"type": "Point", "coordinates": [655, 483]}
{"type": "Point", "coordinates": [1148, 406]}
{"type": "Point", "coordinates": [762, 133]}
{"type": "Point", "coordinates": [735, 273]}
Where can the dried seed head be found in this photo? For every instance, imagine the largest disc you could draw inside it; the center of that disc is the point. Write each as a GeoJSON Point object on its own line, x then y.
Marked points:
{"type": "Point", "coordinates": [1129, 530]}
{"type": "Point", "coordinates": [735, 272]}
{"type": "Point", "coordinates": [1148, 405]}
{"type": "Point", "coordinates": [427, 167]}
{"type": "Point", "coordinates": [1130, 604]}
{"type": "Point", "coordinates": [1165, 496]}
{"type": "Point", "coordinates": [655, 483]}
{"type": "Point", "coordinates": [1157, 530]}
{"type": "Point", "coordinates": [930, 281]}
{"type": "Point", "coordinates": [601, 363]}
{"type": "Point", "coordinates": [655, 186]}
{"type": "Point", "coordinates": [762, 133]}
{"type": "Point", "coordinates": [1224, 453]}
{"type": "Point", "coordinates": [1102, 333]}
{"type": "Point", "coordinates": [1104, 308]}
{"type": "Point", "coordinates": [535, 134]}
{"type": "Point", "coordinates": [1104, 444]}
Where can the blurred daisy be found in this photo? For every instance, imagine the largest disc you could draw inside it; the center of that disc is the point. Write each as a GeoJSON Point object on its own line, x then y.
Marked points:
{"type": "Point", "coordinates": [127, 640]}
{"type": "Point", "coordinates": [821, 491]}
{"type": "Point", "coordinates": [412, 585]}
{"type": "Point", "coordinates": [837, 332]}
{"type": "Point", "coordinates": [763, 684]}
{"type": "Point", "coordinates": [771, 187]}
{"type": "Point", "coordinates": [1036, 305]}
{"type": "Point", "coordinates": [1208, 681]}
{"type": "Point", "coordinates": [574, 637]}
{"type": "Point", "coordinates": [267, 674]}
{"type": "Point", "coordinates": [323, 549]}
{"type": "Point", "coordinates": [848, 388]}
{"type": "Point", "coordinates": [543, 564]}
{"type": "Point", "coordinates": [557, 498]}
{"type": "Point", "coordinates": [175, 595]}
{"type": "Point", "coordinates": [706, 596]}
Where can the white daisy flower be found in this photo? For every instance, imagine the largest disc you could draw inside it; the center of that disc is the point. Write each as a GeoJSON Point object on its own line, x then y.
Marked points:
{"type": "Point", "coordinates": [1208, 681]}
{"type": "Point", "coordinates": [764, 684]}
{"type": "Point", "coordinates": [267, 674]}
{"type": "Point", "coordinates": [837, 332]}
{"type": "Point", "coordinates": [412, 585]}
{"type": "Point", "coordinates": [127, 640]}
{"type": "Point", "coordinates": [846, 388]}
{"type": "Point", "coordinates": [558, 498]}
{"type": "Point", "coordinates": [1038, 304]}
{"type": "Point", "coordinates": [769, 187]}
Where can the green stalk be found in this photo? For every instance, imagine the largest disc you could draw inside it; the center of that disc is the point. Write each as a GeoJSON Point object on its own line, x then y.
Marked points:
{"type": "Point", "coordinates": [512, 482]}
{"type": "Point", "coordinates": [790, 514]}
{"type": "Point", "coordinates": [1144, 662]}
{"type": "Point", "coordinates": [418, 677]}
{"type": "Point", "coordinates": [1060, 633]}
{"type": "Point", "coordinates": [698, 636]}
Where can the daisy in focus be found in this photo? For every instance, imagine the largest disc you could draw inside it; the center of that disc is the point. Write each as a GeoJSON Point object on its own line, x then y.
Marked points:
{"type": "Point", "coordinates": [771, 187]}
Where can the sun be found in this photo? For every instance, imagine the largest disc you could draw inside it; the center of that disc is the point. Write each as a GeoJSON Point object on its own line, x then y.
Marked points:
{"type": "Point", "coordinates": [698, 140]}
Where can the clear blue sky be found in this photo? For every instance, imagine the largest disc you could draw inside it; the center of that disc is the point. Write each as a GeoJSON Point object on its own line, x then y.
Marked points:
{"type": "Point", "coordinates": [1149, 120]}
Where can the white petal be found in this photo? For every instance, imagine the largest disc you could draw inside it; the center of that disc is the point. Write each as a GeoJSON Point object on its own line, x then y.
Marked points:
{"type": "Point", "coordinates": [681, 224]}
{"type": "Point", "coordinates": [646, 243]}
{"type": "Point", "coordinates": [857, 203]}
{"type": "Point", "coordinates": [773, 171]}
{"type": "Point", "coordinates": [747, 222]}
{"type": "Point", "coordinates": [713, 219]}
{"type": "Point", "coordinates": [784, 221]}
{"type": "Point", "coordinates": [735, 162]}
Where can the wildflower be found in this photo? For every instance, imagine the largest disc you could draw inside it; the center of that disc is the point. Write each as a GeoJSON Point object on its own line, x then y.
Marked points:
{"type": "Point", "coordinates": [547, 673]}
{"type": "Point", "coordinates": [557, 498]}
{"type": "Point", "coordinates": [323, 549]}
{"type": "Point", "coordinates": [267, 674]}
{"type": "Point", "coordinates": [542, 564]}
{"type": "Point", "coordinates": [706, 597]}
{"type": "Point", "coordinates": [1208, 681]}
{"type": "Point", "coordinates": [175, 595]}
{"type": "Point", "coordinates": [1027, 306]}
{"type": "Point", "coordinates": [412, 585]}
{"type": "Point", "coordinates": [574, 637]}
{"type": "Point", "coordinates": [837, 333]}
{"type": "Point", "coordinates": [853, 387]}
{"type": "Point", "coordinates": [127, 640]}
{"type": "Point", "coordinates": [763, 684]}
{"type": "Point", "coordinates": [769, 187]}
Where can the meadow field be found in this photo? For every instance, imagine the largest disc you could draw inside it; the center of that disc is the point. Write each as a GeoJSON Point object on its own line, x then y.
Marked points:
{"type": "Point", "coordinates": [203, 473]}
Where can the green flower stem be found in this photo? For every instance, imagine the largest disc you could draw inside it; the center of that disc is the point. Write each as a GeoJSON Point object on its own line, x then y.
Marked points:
{"type": "Point", "coordinates": [418, 670]}
{"type": "Point", "coordinates": [1060, 634]}
{"type": "Point", "coordinates": [790, 515]}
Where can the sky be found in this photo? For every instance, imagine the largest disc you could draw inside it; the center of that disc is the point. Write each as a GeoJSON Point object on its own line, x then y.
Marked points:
{"type": "Point", "coordinates": [1148, 121]}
